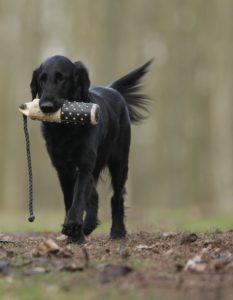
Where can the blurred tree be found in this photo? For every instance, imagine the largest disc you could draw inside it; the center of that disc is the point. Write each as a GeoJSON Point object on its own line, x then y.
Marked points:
{"type": "Point", "coordinates": [181, 156]}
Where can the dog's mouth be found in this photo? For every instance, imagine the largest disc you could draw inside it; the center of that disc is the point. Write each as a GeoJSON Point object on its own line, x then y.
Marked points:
{"type": "Point", "coordinates": [49, 107]}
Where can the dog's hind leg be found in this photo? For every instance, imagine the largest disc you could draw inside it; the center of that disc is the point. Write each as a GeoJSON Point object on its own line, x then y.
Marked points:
{"type": "Point", "coordinates": [119, 176]}
{"type": "Point", "coordinates": [118, 167]}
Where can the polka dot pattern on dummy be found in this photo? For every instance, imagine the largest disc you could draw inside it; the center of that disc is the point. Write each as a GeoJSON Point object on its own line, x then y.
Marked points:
{"type": "Point", "coordinates": [76, 113]}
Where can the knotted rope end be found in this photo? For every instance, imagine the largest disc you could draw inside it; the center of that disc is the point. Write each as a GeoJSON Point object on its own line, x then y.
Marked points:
{"type": "Point", "coordinates": [31, 219]}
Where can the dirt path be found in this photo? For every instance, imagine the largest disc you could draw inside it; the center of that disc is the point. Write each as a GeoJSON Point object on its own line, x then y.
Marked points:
{"type": "Point", "coordinates": [177, 265]}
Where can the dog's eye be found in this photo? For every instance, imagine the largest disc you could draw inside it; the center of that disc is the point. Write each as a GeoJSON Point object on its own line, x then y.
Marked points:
{"type": "Point", "coordinates": [43, 79]}
{"type": "Point", "coordinates": [59, 77]}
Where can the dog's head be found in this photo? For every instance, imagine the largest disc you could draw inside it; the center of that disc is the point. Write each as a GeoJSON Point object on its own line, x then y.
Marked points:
{"type": "Point", "coordinates": [58, 79]}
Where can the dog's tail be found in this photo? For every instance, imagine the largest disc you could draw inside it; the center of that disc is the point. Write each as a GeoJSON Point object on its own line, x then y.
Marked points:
{"type": "Point", "coordinates": [129, 87]}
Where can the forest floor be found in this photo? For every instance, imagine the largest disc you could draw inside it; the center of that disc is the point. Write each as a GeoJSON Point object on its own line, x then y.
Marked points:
{"type": "Point", "coordinates": [146, 265]}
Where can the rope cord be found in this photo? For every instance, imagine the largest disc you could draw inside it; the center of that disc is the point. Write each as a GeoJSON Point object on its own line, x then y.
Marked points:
{"type": "Point", "coordinates": [31, 217]}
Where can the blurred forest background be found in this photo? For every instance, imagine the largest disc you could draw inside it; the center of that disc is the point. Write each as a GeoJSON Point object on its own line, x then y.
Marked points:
{"type": "Point", "coordinates": [181, 164]}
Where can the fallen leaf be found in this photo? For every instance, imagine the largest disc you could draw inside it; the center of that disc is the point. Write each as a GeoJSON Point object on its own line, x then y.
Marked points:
{"type": "Point", "coordinates": [5, 238]}
{"type": "Point", "coordinates": [222, 259]}
{"type": "Point", "coordinates": [51, 245]}
{"type": "Point", "coordinates": [45, 248]}
{"type": "Point", "coordinates": [196, 264]}
{"type": "Point", "coordinates": [61, 237]}
{"type": "Point", "coordinates": [169, 234]}
{"type": "Point", "coordinates": [143, 247]}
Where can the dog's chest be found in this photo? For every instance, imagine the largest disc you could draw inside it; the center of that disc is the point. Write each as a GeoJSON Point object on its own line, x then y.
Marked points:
{"type": "Point", "coordinates": [63, 142]}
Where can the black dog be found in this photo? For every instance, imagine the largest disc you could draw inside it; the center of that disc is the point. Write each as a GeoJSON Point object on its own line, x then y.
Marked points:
{"type": "Point", "coordinates": [80, 153]}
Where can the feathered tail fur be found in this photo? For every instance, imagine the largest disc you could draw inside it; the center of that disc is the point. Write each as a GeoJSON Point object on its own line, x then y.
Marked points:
{"type": "Point", "coordinates": [129, 86]}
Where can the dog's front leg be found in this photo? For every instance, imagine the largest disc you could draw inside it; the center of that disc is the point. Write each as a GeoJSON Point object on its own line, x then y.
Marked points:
{"type": "Point", "coordinates": [73, 226]}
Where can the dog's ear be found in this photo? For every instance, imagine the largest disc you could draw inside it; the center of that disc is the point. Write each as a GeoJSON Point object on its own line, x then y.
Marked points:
{"type": "Point", "coordinates": [34, 82]}
{"type": "Point", "coordinates": [82, 81]}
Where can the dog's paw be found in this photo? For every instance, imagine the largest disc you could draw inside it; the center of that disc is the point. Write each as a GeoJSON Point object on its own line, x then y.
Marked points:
{"type": "Point", "coordinates": [89, 226]}
{"type": "Point", "coordinates": [74, 232]}
{"type": "Point", "coordinates": [119, 233]}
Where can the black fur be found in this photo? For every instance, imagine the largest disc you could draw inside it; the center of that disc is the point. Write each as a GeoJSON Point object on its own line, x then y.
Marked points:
{"type": "Point", "coordinates": [79, 154]}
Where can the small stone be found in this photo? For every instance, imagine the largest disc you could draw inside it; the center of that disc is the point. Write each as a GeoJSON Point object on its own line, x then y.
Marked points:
{"type": "Point", "coordinates": [197, 264]}
{"type": "Point", "coordinates": [34, 271]}
{"type": "Point", "coordinates": [169, 234]}
{"type": "Point", "coordinates": [143, 247]}
{"type": "Point", "coordinates": [190, 238]}
{"type": "Point", "coordinates": [4, 267]}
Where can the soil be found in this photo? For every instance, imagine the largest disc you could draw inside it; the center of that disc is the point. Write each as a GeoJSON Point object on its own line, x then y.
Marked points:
{"type": "Point", "coordinates": [198, 265]}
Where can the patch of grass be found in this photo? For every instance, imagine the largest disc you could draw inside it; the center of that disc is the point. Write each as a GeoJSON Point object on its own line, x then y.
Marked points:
{"type": "Point", "coordinates": [48, 286]}
{"type": "Point", "coordinates": [180, 220]}
{"type": "Point", "coordinates": [65, 286]}
{"type": "Point", "coordinates": [17, 222]}
{"type": "Point", "coordinates": [165, 220]}
{"type": "Point", "coordinates": [208, 224]}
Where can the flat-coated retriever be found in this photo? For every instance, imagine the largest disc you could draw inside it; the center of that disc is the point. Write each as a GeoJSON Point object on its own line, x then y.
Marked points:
{"type": "Point", "coordinates": [78, 153]}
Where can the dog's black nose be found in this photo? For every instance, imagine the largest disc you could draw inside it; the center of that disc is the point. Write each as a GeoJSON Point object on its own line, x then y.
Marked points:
{"type": "Point", "coordinates": [47, 107]}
